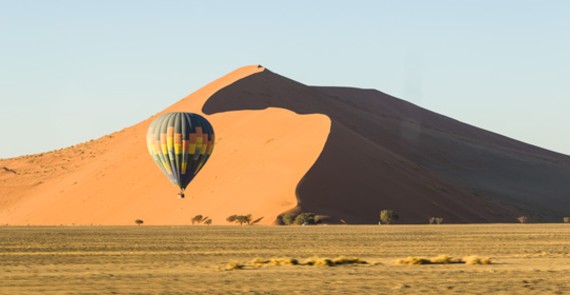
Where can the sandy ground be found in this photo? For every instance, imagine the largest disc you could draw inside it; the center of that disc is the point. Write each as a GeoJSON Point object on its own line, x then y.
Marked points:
{"type": "Point", "coordinates": [527, 259]}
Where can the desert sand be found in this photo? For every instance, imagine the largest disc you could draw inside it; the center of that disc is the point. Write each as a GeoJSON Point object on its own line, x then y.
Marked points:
{"type": "Point", "coordinates": [525, 259]}
{"type": "Point", "coordinates": [283, 146]}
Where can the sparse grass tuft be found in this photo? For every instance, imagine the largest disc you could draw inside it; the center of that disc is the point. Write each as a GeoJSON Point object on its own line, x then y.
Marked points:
{"type": "Point", "coordinates": [287, 261]}
{"type": "Point", "coordinates": [476, 260]}
{"type": "Point", "coordinates": [317, 261]}
{"type": "Point", "coordinates": [259, 261]}
{"type": "Point", "coordinates": [234, 266]}
{"type": "Point", "coordinates": [348, 260]}
{"type": "Point", "coordinates": [324, 262]}
{"type": "Point", "coordinates": [444, 259]}
{"type": "Point", "coordinates": [413, 260]}
{"type": "Point", "coordinates": [313, 261]}
{"type": "Point", "coordinates": [283, 261]}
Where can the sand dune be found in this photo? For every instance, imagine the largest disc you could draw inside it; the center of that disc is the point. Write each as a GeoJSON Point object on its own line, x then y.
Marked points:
{"type": "Point", "coordinates": [287, 147]}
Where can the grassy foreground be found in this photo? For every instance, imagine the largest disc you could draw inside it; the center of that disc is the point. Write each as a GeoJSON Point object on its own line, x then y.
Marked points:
{"type": "Point", "coordinates": [527, 259]}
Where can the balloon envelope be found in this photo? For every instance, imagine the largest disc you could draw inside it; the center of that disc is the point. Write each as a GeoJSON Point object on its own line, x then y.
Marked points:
{"type": "Point", "coordinates": [180, 144]}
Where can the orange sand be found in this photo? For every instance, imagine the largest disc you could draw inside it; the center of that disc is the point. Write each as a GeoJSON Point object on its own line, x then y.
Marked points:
{"type": "Point", "coordinates": [258, 160]}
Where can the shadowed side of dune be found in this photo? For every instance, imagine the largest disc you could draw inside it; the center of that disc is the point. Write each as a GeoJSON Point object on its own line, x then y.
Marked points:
{"type": "Point", "coordinates": [383, 152]}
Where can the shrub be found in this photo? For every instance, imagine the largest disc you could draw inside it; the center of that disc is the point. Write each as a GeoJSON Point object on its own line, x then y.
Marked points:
{"type": "Point", "coordinates": [139, 222]}
{"type": "Point", "coordinates": [388, 216]}
{"type": "Point", "coordinates": [566, 219]}
{"type": "Point", "coordinates": [208, 221]}
{"type": "Point", "coordinates": [305, 218]}
{"type": "Point", "coordinates": [431, 220]}
{"type": "Point", "coordinates": [241, 219]}
{"type": "Point", "coordinates": [288, 219]}
{"type": "Point", "coordinates": [522, 219]}
{"type": "Point", "coordinates": [199, 219]}
{"type": "Point", "coordinates": [301, 218]}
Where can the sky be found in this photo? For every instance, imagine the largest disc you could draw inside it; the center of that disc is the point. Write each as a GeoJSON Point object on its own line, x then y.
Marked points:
{"type": "Point", "coordinates": [72, 71]}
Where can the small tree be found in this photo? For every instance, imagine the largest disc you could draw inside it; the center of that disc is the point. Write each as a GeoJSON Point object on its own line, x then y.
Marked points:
{"type": "Point", "coordinates": [288, 219]}
{"type": "Point", "coordinates": [388, 216]}
{"type": "Point", "coordinates": [208, 221]}
{"type": "Point", "coordinates": [231, 218]}
{"type": "Point", "coordinates": [431, 220]}
{"type": "Point", "coordinates": [199, 219]}
{"type": "Point", "coordinates": [566, 219]}
{"type": "Point", "coordinates": [139, 222]}
{"type": "Point", "coordinates": [522, 219]}
{"type": "Point", "coordinates": [196, 218]}
{"type": "Point", "coordinates": [439, 220]}
{"type": "Point", "coordinates": [305, 218]}
{"type": "Point", "coordinates": [241, 219]}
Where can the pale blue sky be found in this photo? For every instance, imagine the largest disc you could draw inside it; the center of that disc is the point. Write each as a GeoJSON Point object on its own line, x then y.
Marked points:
{"type": "Point", "coordinates": [71, 71]}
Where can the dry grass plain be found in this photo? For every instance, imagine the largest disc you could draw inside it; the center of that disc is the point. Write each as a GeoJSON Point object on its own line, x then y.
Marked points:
{"type": "Point", "coordinates": [527, 259]}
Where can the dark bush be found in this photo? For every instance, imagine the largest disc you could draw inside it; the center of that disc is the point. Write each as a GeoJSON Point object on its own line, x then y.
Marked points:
{"type": "Point", "coordinates": [288, 219]}
{"type": "Point", "coordinates": [388, 216]}
{"type": "Point", "coordinates": [305, 218]}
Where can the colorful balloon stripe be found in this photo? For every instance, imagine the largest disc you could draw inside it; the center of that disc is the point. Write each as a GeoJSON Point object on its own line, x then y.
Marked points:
{"type": "Point", "coordinates": [180, 144]}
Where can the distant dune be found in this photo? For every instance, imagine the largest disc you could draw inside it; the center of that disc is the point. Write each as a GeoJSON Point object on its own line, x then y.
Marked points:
{"type": "Point", "coordinates": [283, 146]}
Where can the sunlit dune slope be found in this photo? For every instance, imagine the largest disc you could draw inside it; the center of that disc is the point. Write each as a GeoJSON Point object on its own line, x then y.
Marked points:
{"type": "Point", "coordinates": [257, 162]}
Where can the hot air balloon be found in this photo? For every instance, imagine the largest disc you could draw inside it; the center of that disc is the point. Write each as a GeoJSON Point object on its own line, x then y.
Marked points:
{"type": "Point", "coordinates": [180, 144]}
